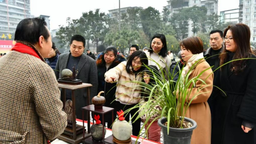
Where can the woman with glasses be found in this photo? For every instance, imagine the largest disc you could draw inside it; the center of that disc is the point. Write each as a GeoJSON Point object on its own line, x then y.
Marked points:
{"type": "Point", "coordinates": [235, 115]}
{"type": "Point", "coordinates": [127, 75]}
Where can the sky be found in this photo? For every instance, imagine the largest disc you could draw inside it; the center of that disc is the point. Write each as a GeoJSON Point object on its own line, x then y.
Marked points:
{"type": "Point", "coordinates": [59, 10]}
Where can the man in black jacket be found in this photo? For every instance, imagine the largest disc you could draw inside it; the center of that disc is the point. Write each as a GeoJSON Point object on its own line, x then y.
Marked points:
{"type": "Point", "coordinates": [212, 57]}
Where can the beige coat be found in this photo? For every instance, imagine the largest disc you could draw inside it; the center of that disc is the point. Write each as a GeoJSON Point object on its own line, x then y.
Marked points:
{"type": "Point", "coordinates": [127, 87]}
{"type": "Point", "coordinates": [31, 108]}
{"type": "Point", "coordinates": [199, 109]}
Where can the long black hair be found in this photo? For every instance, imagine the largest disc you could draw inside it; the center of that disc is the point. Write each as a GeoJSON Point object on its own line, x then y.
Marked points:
{"type": "Point", "coordinates": [135, 55]}
{"type": "Point", "coordinates": [241, 36]}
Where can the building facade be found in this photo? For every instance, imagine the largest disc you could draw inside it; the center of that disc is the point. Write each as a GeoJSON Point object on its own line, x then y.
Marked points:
{"type": "Point", "coordinates": [247, 12]}
{"type": "Point", "coordinates": [11, 13]}
{"type": "Point", "coordinates": [114, 13]}
{"type": "Point", "coordinates": [47, 20]}
{"type": "Point", "coordinates": [176, 5]}
{"type": "Point", "coordinates": [229, 16]}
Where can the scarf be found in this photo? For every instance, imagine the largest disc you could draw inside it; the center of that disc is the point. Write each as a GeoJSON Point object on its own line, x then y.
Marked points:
{"type": "Point", "coordinates": [27, 48]}
{"type": "Point", "coordinates": [190, 63]}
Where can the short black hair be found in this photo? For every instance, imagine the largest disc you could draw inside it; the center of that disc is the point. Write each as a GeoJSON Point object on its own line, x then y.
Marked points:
{"type": "Point", "coordinates": [30, 29]}
{"type": "Point", "coordinates": [78, 38]}
{"type": "Point", "coordinates": [143, 59]}
{"type": "Point", "coordinates": [136, 46]}
{"type": "Point", "coordinates": [217, 31]}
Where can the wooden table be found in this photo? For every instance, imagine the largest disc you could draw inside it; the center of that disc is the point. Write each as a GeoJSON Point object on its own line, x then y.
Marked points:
{"type": "Point", "coordinates": [73, 135]}
{"type": "Point", "coordinates": [102, 112]}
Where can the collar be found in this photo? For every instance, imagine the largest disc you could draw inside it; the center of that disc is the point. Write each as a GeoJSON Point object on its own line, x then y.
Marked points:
{"type": "Point", "coordinates": [22, 48]}
{"type": "Point", "coordinates": [195, 58]}
{"type": "Point", "coordinates": [208, 51]}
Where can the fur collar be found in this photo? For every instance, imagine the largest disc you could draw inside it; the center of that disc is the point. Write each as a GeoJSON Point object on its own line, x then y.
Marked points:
{"type": "Point", "coordinates": [191, 62]}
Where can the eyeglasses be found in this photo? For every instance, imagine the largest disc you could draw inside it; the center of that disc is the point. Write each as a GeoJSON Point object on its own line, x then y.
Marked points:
{"type": "Point", "coordinates": [229, 38]}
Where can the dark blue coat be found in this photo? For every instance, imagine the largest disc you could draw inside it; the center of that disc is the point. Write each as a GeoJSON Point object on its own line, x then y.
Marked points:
{"type": "Point", "coordinates": [52, 61]}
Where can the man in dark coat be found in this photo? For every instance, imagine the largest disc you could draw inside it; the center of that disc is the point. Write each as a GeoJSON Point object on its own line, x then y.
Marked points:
{"type": "Point", "coordinates": [86, 71]}
{"type": "Point", "coordinates": [212, 57]}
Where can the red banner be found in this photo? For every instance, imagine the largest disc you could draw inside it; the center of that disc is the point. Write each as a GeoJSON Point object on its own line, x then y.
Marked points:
{"type": "Point", "coordinates": [6, 45]}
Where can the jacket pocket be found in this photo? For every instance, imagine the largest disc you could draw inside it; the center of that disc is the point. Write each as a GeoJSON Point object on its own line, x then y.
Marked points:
{"type": "Point", "coordinates": [12, 137]}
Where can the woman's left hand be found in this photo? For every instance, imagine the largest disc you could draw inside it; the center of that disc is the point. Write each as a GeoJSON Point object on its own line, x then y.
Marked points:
{"type": "Point", "coordinates": [245, 129]}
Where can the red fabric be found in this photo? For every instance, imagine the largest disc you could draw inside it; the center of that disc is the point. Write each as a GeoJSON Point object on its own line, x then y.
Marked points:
{"type": "Point", "coordinates": [19, 47]}
{"type": "Point", "coordinates": [154, 131]}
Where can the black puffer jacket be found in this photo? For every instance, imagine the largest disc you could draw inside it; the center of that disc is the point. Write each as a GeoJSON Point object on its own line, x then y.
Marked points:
{"type": "Point", "coordinates": [108, 88]}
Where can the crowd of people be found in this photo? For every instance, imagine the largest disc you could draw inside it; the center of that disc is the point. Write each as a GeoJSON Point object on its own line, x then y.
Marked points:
{"type": "Point", "coordinates": [30, 97]}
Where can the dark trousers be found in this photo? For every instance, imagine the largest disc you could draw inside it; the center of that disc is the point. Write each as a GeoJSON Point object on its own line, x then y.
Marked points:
{"type": "Point", "coordinates": [133, 114]}
{"type": "Point", "coordinates": [108, 116]}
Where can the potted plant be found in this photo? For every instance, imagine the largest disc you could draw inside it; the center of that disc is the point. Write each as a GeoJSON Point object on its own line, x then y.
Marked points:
{"type": "Point", "coordinates": [170, 92]}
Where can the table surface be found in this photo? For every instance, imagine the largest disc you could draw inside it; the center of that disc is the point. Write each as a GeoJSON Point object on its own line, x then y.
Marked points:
{"type": "Point", "coordinates": [108, 133]}
{"type": "Point", "coordinates": [102, 111]}
{"type": "Point", "coordinates": [74, 87]}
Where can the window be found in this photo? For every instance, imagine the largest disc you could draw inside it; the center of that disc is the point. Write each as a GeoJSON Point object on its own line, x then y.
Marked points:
{"type": "Point", "coordinates": [1, 12]}
{"type": "Point", "coordinates": [3, 23]}
{"type": "Point", "coordinates": [11, 2]}
{"type": "Point", "coordinates": [3, 18]}
{"type": "Point", "coordinates": [3, 8]}
{"type": "Point", "coordinates": [16, 10]}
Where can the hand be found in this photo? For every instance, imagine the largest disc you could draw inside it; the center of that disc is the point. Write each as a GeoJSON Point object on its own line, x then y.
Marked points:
{"type": "Point", "coordinates": [245, 129]}
{"type": "Point", "coordinates": [110, 80]}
